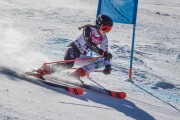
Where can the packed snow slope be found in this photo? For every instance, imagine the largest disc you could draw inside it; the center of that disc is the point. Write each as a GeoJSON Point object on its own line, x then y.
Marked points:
{"type": "Point", "coordinates": [36, 31]}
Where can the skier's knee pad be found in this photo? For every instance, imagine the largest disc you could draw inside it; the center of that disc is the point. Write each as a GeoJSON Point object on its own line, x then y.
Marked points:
{"type": "Point", "coordinates": [81, 72]}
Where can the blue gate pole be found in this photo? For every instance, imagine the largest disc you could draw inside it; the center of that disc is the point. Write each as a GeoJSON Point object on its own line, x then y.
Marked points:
{"type": "Point", "coordinates": [133, 39]}
{"type": "Point", "coordinates": [132, 52]}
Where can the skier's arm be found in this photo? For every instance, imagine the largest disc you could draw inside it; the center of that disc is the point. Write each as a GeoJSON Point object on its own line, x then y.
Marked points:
{"type": "Point", "coordinates": [88, 39]}
{"type": "Point", "coordinates": [104, 46]}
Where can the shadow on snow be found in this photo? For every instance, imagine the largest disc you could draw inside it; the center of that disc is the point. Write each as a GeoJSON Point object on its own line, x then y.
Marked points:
{"type": "Point", "coordinates": [124, 106]}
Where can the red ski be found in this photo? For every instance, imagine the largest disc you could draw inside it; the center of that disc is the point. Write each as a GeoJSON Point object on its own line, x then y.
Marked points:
{"type": "Point", "coordinates": [78, 90]}
{"type": "Point", "coordinates": [71, 89]}
{"type": "Point", "coordinates": [67, 87]}
{"type": "Point", "coordinates": [116, 94]}
{"type": "Point", "coordinates": [120, 95]}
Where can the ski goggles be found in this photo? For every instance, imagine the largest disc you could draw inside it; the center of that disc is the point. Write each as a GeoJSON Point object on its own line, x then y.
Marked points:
{"type": "Point", "coordinates": [106, 28]}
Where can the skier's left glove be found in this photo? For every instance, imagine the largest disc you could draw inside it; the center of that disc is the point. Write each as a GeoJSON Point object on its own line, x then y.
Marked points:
{"type": "Point", "coordinates": [107, 55]}
{"type": "Point", "coordinates": [107, 70]}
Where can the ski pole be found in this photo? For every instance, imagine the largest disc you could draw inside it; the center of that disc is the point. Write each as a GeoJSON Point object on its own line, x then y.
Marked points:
{"type": "Point", "coordinates": [95, 82]}
{"type": "Point", "coordinates": [77, 59]}
{"type": "Point", "coordinates": [93, 71]}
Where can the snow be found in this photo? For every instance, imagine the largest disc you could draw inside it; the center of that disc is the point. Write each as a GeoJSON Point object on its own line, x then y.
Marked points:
{"type": "Point", "coordinates": [37, 31]}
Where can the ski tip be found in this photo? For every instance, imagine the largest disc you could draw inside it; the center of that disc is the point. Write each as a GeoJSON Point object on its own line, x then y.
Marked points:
{"type": "Point", "coordinates": [80, 91]}
{"type": "Point", "coordinates": [123, 95]}
{"type": "Point", "coordinates": [120, 95]}
{"type": "Point", "coordinates": [77, 91]}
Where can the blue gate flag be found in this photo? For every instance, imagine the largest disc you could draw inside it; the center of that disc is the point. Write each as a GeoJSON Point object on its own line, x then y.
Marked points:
{"type": "Point", "coordinates": [121, 11]}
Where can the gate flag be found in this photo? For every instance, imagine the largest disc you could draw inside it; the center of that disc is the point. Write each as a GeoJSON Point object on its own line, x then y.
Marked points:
{"type": "Point", "coordinates": [121, 11]}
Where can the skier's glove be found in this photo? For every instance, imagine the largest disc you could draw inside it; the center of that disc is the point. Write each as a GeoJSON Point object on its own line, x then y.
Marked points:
{"type": "Point", "coordinates": [107, 55]}
{"type": "Point", "coordinates": [107, 70]}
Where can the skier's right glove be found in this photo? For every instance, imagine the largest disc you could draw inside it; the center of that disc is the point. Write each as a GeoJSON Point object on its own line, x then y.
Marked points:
{"type": "Point", "coordinates": [107, 70]}
{"type": "Point", "coordinates": [107, 55]}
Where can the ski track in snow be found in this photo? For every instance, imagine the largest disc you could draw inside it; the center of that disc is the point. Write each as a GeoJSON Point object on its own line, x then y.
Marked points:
{"type": "Point", "coordinates": [33, 32]}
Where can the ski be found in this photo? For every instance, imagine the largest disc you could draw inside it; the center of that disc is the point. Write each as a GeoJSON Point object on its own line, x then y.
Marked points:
{"type": "Point", "coordinates": [78, 89]}
{"type": "Point", "coordinates": [115, 94]}
{"type": "Point", "coordinates": [120, 95]}
{"type": "Point", "coordinates": [72, 89]}
{"type": "Point", "coordinates": [100, 89]}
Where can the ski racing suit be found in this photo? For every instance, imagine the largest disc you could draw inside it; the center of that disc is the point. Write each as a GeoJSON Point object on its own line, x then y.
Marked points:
{"type": "Point", "coordinates": [86, 42]}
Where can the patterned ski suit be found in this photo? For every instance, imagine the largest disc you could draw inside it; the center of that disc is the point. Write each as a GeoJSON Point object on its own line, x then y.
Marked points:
{"type": "Point", "coordinates": [86, 42]}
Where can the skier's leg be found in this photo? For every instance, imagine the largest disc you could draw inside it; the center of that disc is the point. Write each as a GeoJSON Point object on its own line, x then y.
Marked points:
{"type": "Point", "coordinates": [93, 66]}
{"type": "Point", "coordinates": [71, 53]}
{"type": "Point", "coordinates": [85, 70]}
{"type": "Point", "coordinates": [86, 60]}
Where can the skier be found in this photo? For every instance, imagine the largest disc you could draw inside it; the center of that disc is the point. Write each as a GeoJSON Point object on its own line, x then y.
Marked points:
{"type": "Point", "coordinates": [90, 39]}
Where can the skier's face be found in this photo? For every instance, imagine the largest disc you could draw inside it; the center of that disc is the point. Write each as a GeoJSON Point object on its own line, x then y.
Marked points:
{"type": "Point", "coordinates": [103, 33]}
{"type": "Point", "coordinates": [104, 29]}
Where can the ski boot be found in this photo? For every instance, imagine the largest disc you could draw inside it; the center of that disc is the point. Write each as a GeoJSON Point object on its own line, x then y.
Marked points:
{"type": "Point", "coordinates": [39, 73]}
{"type": "Point", "coordinates": [80, 72]}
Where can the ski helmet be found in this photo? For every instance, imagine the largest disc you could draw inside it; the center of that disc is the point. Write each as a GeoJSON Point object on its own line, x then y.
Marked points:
{"type": "Point", "coordinates": [104, 20]}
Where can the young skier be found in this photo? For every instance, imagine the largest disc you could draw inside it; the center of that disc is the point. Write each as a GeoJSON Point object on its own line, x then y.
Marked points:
{"type": "Point", "coordinates": [92, 37]}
